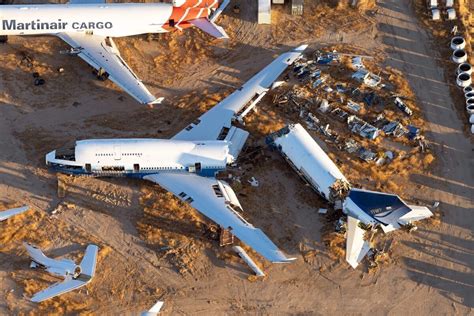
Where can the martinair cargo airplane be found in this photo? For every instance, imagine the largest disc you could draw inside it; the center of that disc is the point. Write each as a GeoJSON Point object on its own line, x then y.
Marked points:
{"type": "Point", "coordinates": [89, 25]}
{"type": "Point", "coordinates": [187, 163]}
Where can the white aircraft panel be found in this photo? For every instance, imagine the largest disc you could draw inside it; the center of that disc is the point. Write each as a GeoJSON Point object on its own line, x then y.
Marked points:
{"type": "Point", "coordinates": [356, 246]}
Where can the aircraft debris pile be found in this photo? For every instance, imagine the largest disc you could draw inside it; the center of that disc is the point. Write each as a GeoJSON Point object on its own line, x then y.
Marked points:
{"type": "Point", "coordinates": [352, 103]}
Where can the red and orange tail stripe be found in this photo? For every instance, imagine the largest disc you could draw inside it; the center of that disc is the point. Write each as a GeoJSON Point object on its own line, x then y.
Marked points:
{"type": "Point", "coordinates": [180, 16]}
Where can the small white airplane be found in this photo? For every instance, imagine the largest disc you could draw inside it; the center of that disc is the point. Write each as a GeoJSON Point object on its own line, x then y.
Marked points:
{"type": "Point", "coordinates": [89, 25]}
{"type": "Point", "coordinates": [187, 163]}
{"type": "Point", "coordinates": [4, 215]}
{"type": "Point", "coordinates": [75, 276]}
{"type": "Point", "coordinates": [373, 209]}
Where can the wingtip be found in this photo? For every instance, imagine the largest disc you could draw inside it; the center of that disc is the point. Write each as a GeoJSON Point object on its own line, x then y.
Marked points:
{"type": "Point", "coordinates": [300, 48]}
{"type": "Point", "coordinates": [281, 258]}
{"type": "Point", "coordinates": [156, 101]}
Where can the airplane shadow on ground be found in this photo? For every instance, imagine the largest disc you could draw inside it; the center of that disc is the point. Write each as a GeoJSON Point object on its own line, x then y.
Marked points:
{"type": "Point", "coordinates": [455, 284]}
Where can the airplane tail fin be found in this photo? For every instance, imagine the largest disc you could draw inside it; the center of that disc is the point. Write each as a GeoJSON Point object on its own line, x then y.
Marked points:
{"type": "Point", "coordinates": [210, 28]}
{"type": "Point", "coordinates": [387, 210]}
{"type": "Point", "coordinates": [89, 261]}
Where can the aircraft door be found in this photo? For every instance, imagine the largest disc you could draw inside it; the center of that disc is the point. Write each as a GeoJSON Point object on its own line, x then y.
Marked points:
{"type": "Point", "coordinates": [117, 153]}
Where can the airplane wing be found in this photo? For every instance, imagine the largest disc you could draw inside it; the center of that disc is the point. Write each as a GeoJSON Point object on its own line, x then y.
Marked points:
{"type": "Point", "coordinates": [12, 212]}
{"type": "Point", "coordinates": [356, 246]}
{"type": "Point", "coordinates": [217, 122]}
{"type": "Point", "coordinates": [101, 53]}
{"type": "Point", "coordinates": [216, 200]}
{"type": "Point", "coordinates": [88, 262]}
{"type": "Point", "coordinates": [59, 288]}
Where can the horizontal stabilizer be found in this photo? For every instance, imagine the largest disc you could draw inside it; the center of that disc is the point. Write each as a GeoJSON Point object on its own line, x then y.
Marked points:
{"type": "Point", "coordinates": [12, 212]}
{"type": "Point", "coordinates": [57, 289]}
{"type": "Point", "coordinates": [210, 28]}
{"type": "Point", "coordinates": [356, 246]}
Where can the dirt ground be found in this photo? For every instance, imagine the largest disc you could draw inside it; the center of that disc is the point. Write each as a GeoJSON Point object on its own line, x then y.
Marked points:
{"type": "Point", "coordinates": [153, 247]}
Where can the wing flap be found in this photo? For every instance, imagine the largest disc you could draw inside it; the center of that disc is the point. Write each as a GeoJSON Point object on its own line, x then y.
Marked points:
{"type": "Point", "coordinates": [206, 196]}
{"type": "Point", "coordinates": [101, 53]}
{"type": "Point", "coordinates": [57, 289]}
{"type": "Point", "coordinates": [12, 212]}
{"type": "Point", "coordinates": [211, 124]}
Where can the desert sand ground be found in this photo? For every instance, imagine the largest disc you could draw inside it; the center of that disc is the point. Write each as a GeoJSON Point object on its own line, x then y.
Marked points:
{"type": "Point", "coordinates": [153, 247]}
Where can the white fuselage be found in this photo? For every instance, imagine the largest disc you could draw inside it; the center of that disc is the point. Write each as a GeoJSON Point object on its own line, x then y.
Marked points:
{"type": "Point", "coordinates": [60, 267]}
{"type": "Point", "coordinates": [114, 20]}
{"type": "Point", "coordinates": [142, 156]}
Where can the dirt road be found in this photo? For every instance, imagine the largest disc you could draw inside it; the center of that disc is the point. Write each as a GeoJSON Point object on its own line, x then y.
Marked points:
{"type": "Point", "coordinates": [410, 50]}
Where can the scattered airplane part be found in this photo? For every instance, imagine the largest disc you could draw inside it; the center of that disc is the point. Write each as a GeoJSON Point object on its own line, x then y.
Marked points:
{"type": "Point", "coordinates": [89, 26]}
{"type": "Point", "coordinates": [154, 310]}
{"type": "Point", "coordinates": [471, 119]}
{"type": "Point", "coordinates": [463, 80]}
{"type": "Point", "coordinates": [372, 208]}
{"type": "Point", "coordinates": [458, 42]}
{"type": "Point", "coordinates": [357, 246]}
{"type": "Point", "coordinates": [4, 215]}
{"type": "Point", "coordinates": [253, 182]}
{"type": "Point", "coordinates": [468, 89]}
{"type": "Point", "coordinates": [459, 56]}
{"type": "Point", "coordinates": [75, 276]}
{"type": "Point", "coordinates": [187, 163]}
{"type": "Point", "coordinates": [243, 254]}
